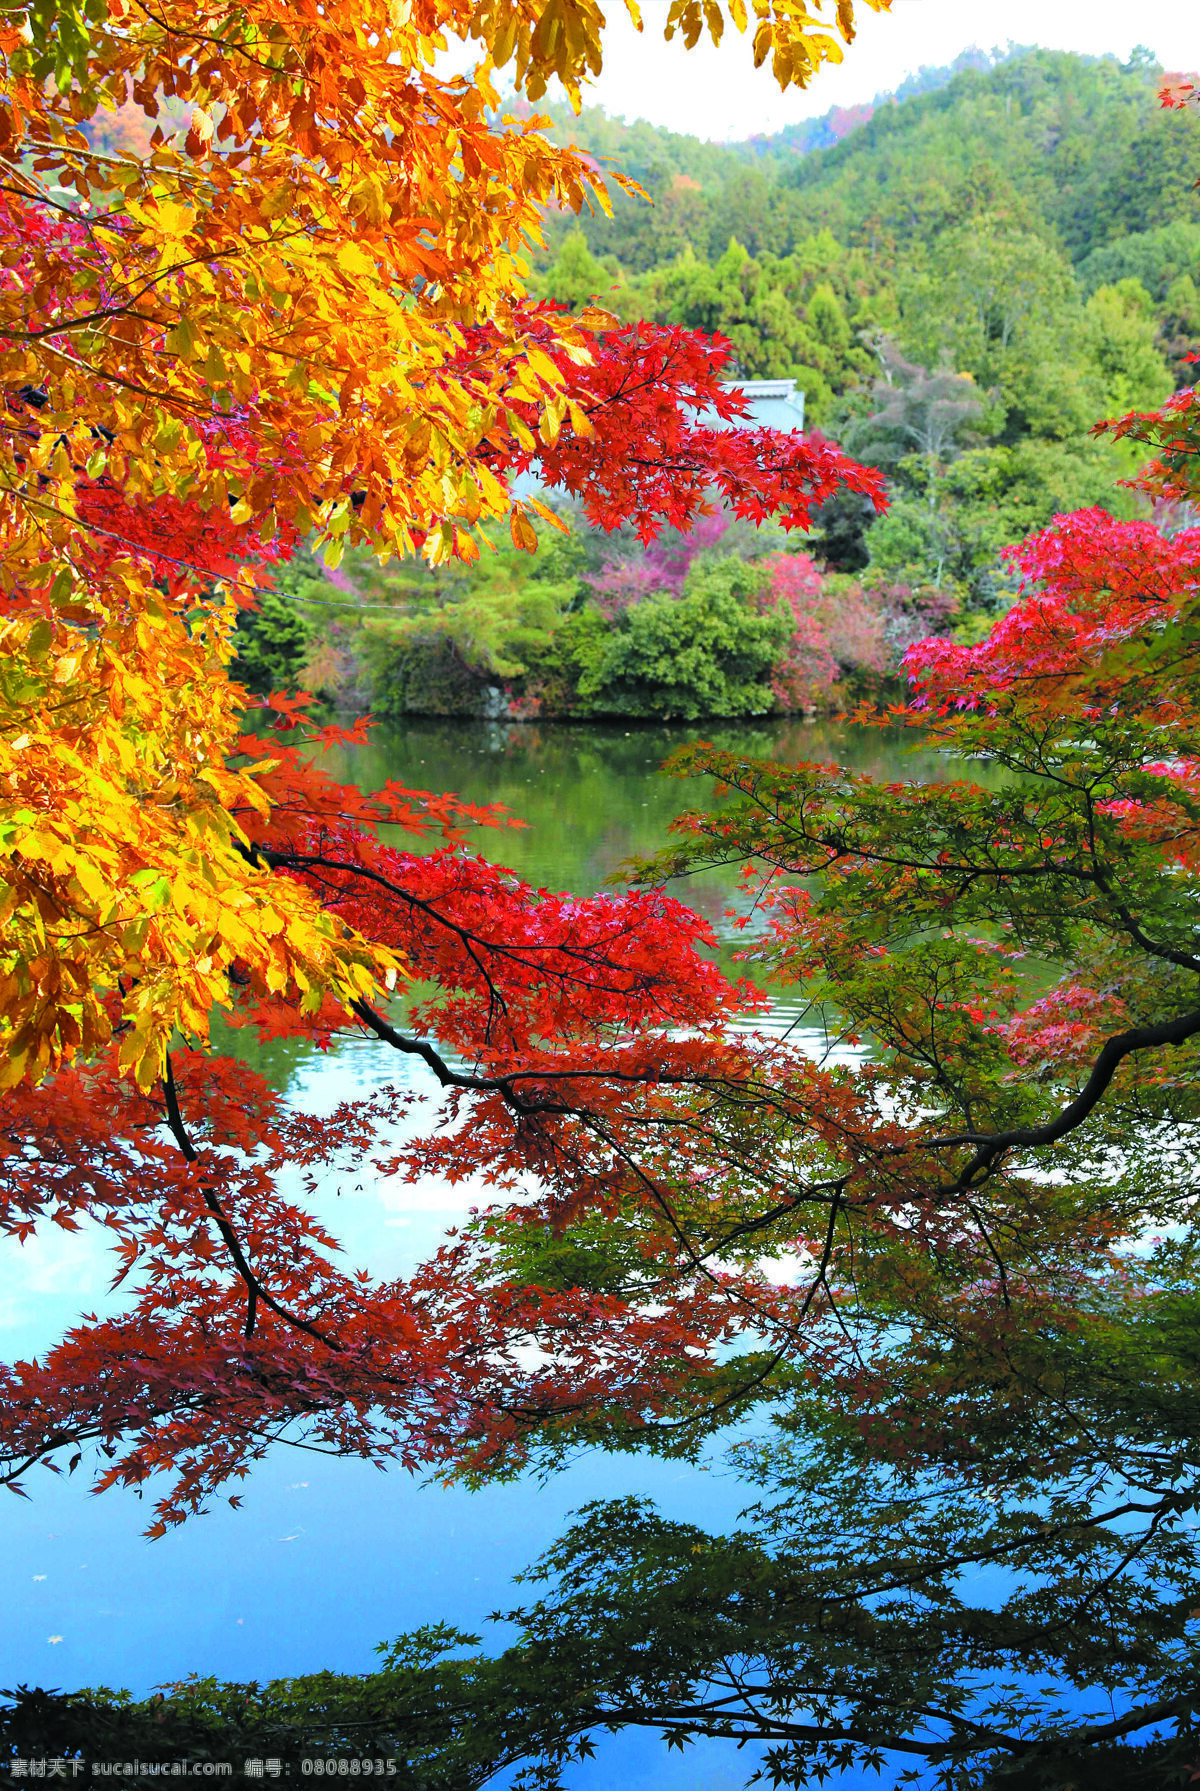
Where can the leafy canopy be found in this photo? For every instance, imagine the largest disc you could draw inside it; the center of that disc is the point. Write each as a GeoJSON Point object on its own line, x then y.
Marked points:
{"type": "Point", "coordinates": [302, 311]}
{"type": "Point", "coordinates": [955, 1250]}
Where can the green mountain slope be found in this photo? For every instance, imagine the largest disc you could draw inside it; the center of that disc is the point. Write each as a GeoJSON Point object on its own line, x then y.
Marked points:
{"type": "Point", "coordinates": [1081, 143]}
{"type": "Point", "coordinates": [962, 286]}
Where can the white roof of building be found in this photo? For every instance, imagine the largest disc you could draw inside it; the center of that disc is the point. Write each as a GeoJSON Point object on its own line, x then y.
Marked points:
{"type": "Point", "coordinates": [773, 404]}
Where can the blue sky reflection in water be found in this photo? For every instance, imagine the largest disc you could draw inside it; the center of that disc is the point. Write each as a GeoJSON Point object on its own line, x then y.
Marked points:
{"type": "Point", "coordinates": [326, 1558]}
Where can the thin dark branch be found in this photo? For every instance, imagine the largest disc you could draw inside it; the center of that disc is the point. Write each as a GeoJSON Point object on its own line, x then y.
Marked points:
{"type": "Point", "coordinates": [255, 1291]}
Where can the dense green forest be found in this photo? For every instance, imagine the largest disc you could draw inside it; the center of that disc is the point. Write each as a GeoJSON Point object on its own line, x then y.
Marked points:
{"type": "Point", "coordinates": [961, 285]}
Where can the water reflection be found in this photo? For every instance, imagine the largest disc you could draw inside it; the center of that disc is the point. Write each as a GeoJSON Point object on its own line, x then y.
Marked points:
{"type": "Point", "coordinates": [327, 1558]}
{"type": "Point", "coordinates": [590, 796]}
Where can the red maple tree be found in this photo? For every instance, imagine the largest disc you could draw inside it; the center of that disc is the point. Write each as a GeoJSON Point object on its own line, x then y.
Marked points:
{"type": "Point", "coordinates": [241, 1324]}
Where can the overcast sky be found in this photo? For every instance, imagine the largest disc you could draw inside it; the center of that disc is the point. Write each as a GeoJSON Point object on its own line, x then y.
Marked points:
{"type": "Point", "coordinates": [719, 94]}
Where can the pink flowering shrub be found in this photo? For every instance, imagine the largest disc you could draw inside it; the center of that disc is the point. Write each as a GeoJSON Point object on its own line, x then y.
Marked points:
{"type": "Point", "coordinates": [846, 634]}
{"type": "Point", "coordinates": [622, 583]}
{"type": "Point", "coordinates": [804, 678]}
{"type": "Point", "coordinates": [911, 614]}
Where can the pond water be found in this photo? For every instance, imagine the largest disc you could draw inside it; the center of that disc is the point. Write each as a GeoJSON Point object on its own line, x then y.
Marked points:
{"type": "Point", "coordinates": [327, 1558]}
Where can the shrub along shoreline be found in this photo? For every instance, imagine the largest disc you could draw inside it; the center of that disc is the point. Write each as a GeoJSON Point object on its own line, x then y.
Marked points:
{"type": "Point", "coordinates": [727, 621]}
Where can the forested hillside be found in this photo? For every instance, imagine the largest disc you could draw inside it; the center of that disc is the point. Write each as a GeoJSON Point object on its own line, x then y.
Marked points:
{"type": "Point", "coordinates": [1079, 144]}
{"type": "Point", "coordinates": [1050, 165]}
{"type": "Point", "coordinates": [962, 285]}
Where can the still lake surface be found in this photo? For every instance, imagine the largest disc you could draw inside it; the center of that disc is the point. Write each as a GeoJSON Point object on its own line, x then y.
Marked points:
{"type": "Point", "coordinates": [327, 1558]}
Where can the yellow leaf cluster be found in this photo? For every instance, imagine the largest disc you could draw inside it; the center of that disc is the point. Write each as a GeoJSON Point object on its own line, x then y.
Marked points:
{"type": "Point", "coordinates": [563, 39]}
{"type": "Point", "coordinates": [794, 37]}
{"type": "Point", "coordinates": [310, 256]}
{"type": "Point", "coordinates": [127, 895]}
